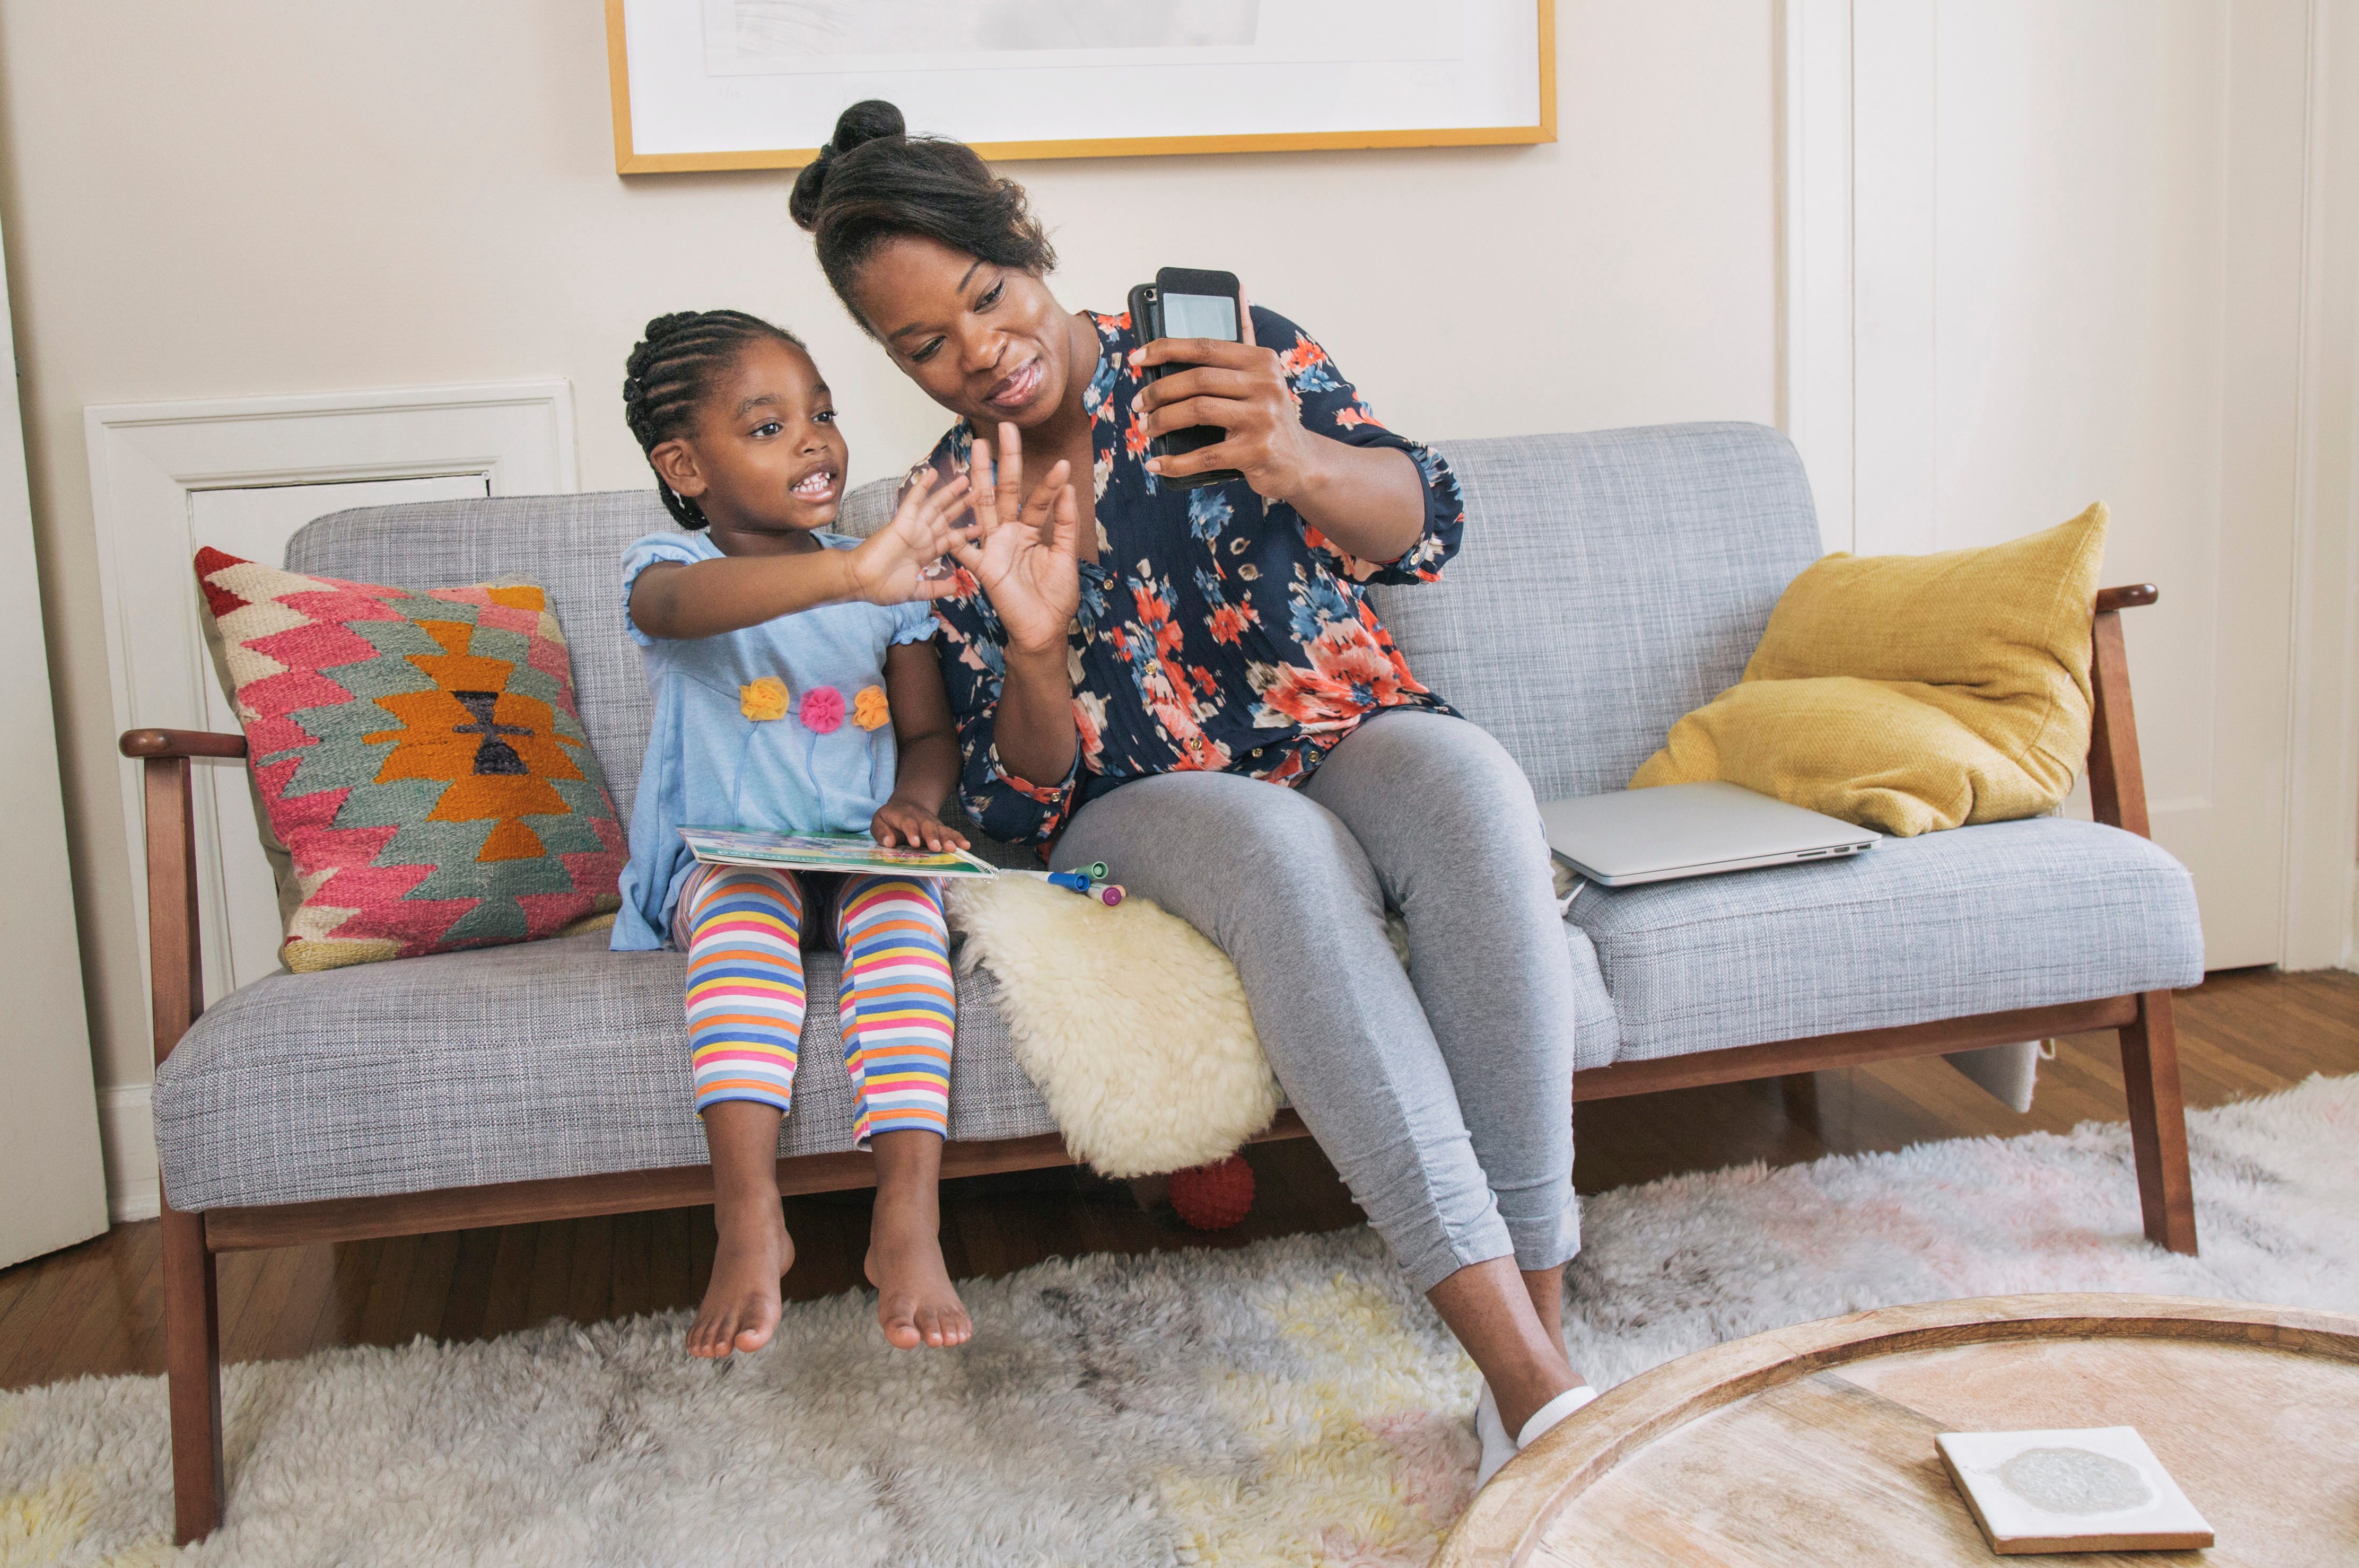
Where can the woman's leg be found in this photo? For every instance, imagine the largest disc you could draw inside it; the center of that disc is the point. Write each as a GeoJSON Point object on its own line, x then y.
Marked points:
{"type": "Point", "coordinates": [1280, 884]}
{"type": "Point", "coordinates": [1449, 826]}
{"type": "Point", "coordinates": [900, 1014]}
{"type": "Point", "coordinates": [742, 931]}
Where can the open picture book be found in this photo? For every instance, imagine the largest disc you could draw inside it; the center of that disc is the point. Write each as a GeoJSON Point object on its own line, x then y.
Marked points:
{"type": "Point", "coordinates": [826, 852]}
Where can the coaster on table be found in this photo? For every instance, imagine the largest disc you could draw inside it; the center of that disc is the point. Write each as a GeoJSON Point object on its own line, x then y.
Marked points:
{"type": "Point", "coordinates": [2098, 1488]}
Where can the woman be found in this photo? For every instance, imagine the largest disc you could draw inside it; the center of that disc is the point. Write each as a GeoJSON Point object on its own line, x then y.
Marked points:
{"type": "Point", "coordinates": [1189, 685]}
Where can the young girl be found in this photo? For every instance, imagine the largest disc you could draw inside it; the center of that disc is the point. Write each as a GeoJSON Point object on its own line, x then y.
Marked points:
{"type": "Point", "coordinates": [776, 653]}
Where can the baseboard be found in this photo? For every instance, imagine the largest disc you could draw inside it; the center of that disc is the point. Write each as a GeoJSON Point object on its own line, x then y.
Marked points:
{"type": "Point", "coordinates": [126, 1135]}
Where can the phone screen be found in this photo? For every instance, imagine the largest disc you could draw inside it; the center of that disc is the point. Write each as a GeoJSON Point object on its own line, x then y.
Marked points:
{"type": "Point", "coordinates": [1199, 316]}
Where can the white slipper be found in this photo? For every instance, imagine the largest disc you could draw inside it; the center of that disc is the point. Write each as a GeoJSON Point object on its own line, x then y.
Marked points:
{"type": "Point", "coordinates": [1548, 1415]}
{"type": "Point", "coordinates": [1498, 1446]}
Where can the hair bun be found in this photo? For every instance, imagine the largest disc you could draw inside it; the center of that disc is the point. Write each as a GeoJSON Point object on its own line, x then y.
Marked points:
{"type": "Point", "coordinates": [870, 119]}
{"type": "Point", "coordinates": [864, 122]}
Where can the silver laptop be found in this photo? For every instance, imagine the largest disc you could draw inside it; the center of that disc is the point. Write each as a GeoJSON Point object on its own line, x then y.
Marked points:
{"type": "Point", "coordinates": [1689, 830]}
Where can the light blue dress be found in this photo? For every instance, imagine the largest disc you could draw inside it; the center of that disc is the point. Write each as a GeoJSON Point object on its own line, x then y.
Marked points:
{"type": "Point", "coordinates": [711, 763]}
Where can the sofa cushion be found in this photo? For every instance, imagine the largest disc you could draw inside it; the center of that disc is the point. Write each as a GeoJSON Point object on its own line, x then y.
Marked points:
{"type": "Point", "coordinates": [1975, 920]}
{"type": "Point", "coordinates": [419, 765]}
{"type": "Point", "coordinates": [559, 1058]}
{"type": "Point", "coordinates": [1912, 693]}
{"type": "Point", "coordinates": [571, 544]}
{"type": "Point", "coordinates": [1596, 1036]}
{"type": "Point", "coordinates": [555, 1058]}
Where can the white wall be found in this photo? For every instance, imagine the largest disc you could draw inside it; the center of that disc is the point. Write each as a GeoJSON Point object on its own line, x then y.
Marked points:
{"type": "Point", "coordinates": [281, 196]}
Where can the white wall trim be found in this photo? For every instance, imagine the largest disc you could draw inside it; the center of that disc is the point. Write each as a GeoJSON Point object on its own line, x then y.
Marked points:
{"type": "Point", "coordinates": [1854, 372]}
{"type": "Point", "coordinates": [126, 1128]}
{"type": "Point", "coordinates": [2322, 744]}
{"type": "Point", "coordinates": [146, 461]}
{"type": "Point", "coordinates": [1814, 315]}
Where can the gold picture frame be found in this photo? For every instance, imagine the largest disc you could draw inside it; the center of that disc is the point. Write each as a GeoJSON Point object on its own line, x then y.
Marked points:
{"type": "Point", "coordinates": [628, 160]}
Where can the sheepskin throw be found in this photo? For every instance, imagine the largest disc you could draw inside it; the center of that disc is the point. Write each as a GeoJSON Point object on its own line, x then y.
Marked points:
{"type": "Point", "coordinates": [1132, 1025]}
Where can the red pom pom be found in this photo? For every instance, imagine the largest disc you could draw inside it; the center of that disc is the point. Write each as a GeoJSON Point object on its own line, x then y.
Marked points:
{"type": "Point", "coordinates": [1213, 1197]}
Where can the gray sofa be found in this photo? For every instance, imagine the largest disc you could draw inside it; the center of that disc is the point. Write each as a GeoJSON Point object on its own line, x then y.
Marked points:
{"type": "Point", "coordinates": [1609, 583]}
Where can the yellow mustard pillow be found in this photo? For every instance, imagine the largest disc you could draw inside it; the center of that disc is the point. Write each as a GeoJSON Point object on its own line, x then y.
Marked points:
{"type": "Point", "coordinates": [1909, 693]}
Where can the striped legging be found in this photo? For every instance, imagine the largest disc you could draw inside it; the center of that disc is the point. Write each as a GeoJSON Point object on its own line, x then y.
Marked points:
{"type": "Point", "coordinates": [741, 927]}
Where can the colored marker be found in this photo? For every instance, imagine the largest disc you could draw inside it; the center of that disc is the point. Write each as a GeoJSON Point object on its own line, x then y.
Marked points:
{"type": "Point", "coordinates": [1109, 893]}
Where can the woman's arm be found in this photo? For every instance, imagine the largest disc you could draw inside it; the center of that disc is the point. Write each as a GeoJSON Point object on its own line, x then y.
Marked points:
{"type": "Point", "coordinates": [1035, 732]}
{"type": "Point", "coordinates": [1369, 501]}
{"type": "Point", "coordinates": [929, 763]}
{"type": "Point", "coordinates": [1026, 562]}
{"type": "Point", "coordinates": [704, 598]}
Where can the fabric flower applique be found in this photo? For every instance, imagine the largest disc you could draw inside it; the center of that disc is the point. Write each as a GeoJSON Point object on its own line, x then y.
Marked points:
{"type": "Point", "coordinates": [822, 709]}
{"type": "Point", "coordinates": [869, 709]}
{"type": "Point", "coordinates": [764, 699]}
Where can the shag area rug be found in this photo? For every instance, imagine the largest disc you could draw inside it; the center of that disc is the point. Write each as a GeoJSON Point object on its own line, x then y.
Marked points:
{"type": "Point", "coordinates": [1289, 1403]}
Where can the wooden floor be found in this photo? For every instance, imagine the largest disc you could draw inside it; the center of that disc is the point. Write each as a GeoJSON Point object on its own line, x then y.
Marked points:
{"type": "Point", "coordinates": [94, 1308]}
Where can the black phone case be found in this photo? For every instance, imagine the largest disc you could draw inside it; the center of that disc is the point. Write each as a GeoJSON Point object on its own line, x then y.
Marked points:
{"type": "Point", "coordinates": [1147, 320]}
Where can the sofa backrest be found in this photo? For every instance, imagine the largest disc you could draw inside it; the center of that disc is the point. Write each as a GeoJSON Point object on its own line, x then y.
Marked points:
{"type": "Point", "coordinates": [1609, 583]}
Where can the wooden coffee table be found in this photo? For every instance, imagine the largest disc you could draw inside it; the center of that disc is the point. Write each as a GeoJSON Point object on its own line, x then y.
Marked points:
{"type": "Point", "coordinates": [1814, 1445]}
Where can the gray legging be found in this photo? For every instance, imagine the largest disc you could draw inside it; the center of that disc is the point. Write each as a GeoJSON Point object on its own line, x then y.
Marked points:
{"type": "Point", "coordinates": [1443, 1096]}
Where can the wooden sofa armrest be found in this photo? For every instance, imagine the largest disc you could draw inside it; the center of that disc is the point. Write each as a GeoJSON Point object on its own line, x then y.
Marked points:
{"type": "Point", "coordinates": [2116, 778]}
{"type": "Point", "coordinates": [180, 743]}
{"type": "Point", "coordinates": [175, 969]}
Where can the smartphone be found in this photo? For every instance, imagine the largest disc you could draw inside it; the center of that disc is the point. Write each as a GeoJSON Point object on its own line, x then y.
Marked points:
{"type": "Point", "coordinates": [1183, 302]}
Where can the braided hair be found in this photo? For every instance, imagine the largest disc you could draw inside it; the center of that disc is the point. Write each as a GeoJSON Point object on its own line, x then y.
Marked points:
{"type": "Point", "coordinates": [875, 182]}
{"type": "Point", "coordinates": [672, 370]}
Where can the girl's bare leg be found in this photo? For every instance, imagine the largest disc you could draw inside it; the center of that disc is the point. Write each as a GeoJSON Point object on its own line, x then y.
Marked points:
{"type": "Point", "coordinates": [743, 1303]}
{"type": "Point", "coordinates": [916, 1303]}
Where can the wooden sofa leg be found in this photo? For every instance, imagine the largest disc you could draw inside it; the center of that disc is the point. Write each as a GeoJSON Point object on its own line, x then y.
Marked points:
{"type": "Point", "coordinates": [2158, 1124]}
{"type": "Point", "coordinates": [193, 1362]}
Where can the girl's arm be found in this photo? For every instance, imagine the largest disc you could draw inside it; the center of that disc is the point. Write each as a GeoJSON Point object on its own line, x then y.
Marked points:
{"type": "Point", "coordinates": [929, 764]}
{"type": "Point", "coordinates": [704, 598]}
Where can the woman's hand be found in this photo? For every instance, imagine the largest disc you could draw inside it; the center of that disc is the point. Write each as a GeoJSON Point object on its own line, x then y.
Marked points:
{"type": "Point", "coordinates": [1024, 558]}
{"type": "Point", "coordinates": [891, 564]}
{"type": "Point", "coordinates": [899, 822]}
{"type": "Point", "coordinates": [1368, 501]}
{"type": "Point", "coordinates": [1241, 388]}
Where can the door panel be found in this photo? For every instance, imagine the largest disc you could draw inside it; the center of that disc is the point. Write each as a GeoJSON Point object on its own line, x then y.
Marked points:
{"type": "Point", "coordinates": [2110, 280]}
{"type": "Point", "coordinates": [52, 1182]}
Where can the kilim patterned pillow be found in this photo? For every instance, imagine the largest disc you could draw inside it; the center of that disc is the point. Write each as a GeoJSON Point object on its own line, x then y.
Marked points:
{"type": "Point", "coordinates": [419, 759]}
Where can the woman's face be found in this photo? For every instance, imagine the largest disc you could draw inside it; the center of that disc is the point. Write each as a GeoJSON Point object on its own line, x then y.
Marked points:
{"type": "Point", "coordinates": [986, 342]}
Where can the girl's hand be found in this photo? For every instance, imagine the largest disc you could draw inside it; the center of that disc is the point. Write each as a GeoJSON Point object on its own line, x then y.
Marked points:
{"type": "Point", "coordinates": [1243, 389]}
{"type": "Point", "coordinates": [1026, 557]}
{"type": "Point", "coordinates": [899, 822]}
{"type": "Point", "coordinates": [890, 566]}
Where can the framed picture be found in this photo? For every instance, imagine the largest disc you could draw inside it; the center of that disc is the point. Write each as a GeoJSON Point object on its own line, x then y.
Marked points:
{"type": "Point", "coordinates": [702, 84]}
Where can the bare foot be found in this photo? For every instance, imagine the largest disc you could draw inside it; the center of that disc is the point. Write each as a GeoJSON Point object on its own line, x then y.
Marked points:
{"type": "Point", "coordinates": [742, 1304]}
{"type": "Point", "coordinates": [916, 1303]}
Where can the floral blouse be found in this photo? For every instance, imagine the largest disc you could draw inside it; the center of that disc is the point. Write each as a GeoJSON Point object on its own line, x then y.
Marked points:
{"type": "Point", "coordinates": [1216, 630]}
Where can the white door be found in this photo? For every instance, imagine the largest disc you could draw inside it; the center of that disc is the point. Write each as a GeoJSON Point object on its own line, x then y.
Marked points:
{"type": "Point", "coordinates": [2077, 253]}
{"type": "Point", "coordinates": [238, 897]}
{"type": "Point", "coordinates": [52, 1184]}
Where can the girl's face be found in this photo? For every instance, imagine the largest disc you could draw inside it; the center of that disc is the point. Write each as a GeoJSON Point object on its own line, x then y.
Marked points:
{"type": "Point", "coordinates": [766, 461]}
{"type": "Point", "coordinates": [986, 342]}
